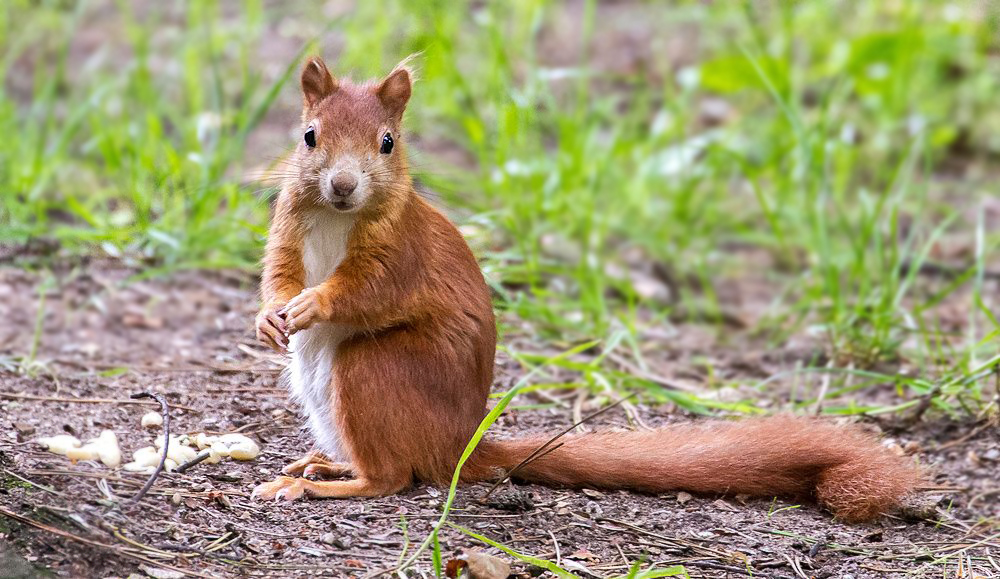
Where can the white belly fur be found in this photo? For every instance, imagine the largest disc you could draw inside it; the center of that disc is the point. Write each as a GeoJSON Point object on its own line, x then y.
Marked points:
{"type": "Point", "coordinates": [314, 350]}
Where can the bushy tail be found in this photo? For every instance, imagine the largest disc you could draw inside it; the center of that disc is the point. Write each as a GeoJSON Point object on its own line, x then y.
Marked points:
{"type": "Point", "coordinates": [841, 467]}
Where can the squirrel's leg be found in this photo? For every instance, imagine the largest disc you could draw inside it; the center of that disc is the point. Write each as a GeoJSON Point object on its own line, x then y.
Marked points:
{"type": "Point", "coordinates": [316, 463]}
{"type": "Point", "coordinates": [290, 489]}
{"type": "Point", "coordinates": [331, 470]}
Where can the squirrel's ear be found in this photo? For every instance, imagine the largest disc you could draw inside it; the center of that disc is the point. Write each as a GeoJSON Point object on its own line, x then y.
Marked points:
{"type": "Point", "coordinates": [394, 91]}
{"type": "Point", "coordinates": [317, 82]}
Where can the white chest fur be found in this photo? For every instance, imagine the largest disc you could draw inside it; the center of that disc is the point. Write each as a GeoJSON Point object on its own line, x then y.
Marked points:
{"type": "Point", "coordinates": [314, 350]}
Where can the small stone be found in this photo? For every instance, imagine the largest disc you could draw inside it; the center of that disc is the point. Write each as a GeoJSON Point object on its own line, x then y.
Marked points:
{"type": "Point", "coordinates": [593, 509]}
{"type": "Point", "coordinates": [593, 494]}
{"type": "Point", "coordinates": [328, 538]}
{"type": "Point", "coordinates": [511, 499]}
{"type": "Point", "coordinates": [24, 429]}
{"type": "Point", "coordinates": [683, 497]}
{"type": "Point", "coordinates": [176, 498]}
{"type": "Point", "coordinates": [342, 543]}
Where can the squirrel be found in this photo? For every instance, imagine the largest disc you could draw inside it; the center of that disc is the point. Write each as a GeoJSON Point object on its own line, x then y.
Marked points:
{"type": "Point", "coordinates": [392, 336]}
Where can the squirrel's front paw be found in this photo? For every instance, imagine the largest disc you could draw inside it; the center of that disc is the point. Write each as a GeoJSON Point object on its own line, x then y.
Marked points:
{"type": "Point", "coordinates": [305, 309]}
{"type": "Point", "coordinates": [271, 328]}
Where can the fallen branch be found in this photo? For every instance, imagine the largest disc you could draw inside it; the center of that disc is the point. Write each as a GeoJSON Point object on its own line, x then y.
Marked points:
{"type": "Point", "coordinates": [166, 442]}
{"type": "Point", "coordinates": [17, 396]}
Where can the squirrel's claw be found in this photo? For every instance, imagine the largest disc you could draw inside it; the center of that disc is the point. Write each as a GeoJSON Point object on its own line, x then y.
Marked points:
{"type": "Point", "coordinates": [282, 488]}
{"type": "Point", "coordinates": [304, 310]}
{"type": "Point", "coordinates": [271, 331]}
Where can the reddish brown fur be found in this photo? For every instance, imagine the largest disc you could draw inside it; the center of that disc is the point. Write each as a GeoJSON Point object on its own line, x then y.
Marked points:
{"type": "Point", "coordinates": [412, 380]}
{"type": "Point", "coordinates": [840, 466]}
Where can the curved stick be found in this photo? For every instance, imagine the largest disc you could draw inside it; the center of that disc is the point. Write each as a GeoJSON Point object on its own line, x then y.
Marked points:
{"type": "Point", "coordinates": [166, 442]}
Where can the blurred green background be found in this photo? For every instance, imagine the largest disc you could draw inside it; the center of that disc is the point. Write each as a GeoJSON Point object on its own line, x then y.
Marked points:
{"type": "Point", "coordinates": [617, 165]}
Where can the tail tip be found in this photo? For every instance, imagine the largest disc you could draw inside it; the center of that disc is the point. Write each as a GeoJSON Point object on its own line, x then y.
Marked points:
{"type": "Point", "coordinates": [861, 490]}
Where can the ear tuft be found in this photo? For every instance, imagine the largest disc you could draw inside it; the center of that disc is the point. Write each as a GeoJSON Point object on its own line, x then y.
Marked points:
{"type": "Point", "coordinates": [395, 90]}
{"type": "Point", "coordinates": [317, 82]}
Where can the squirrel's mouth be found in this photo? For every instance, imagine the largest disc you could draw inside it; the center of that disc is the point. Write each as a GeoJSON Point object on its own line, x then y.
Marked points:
{"type": "Point", "coordinates": [343, 205]}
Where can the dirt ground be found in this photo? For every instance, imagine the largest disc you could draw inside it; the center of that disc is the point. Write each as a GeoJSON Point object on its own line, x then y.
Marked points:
{"type": "Point", "coordinates": [106, 336]}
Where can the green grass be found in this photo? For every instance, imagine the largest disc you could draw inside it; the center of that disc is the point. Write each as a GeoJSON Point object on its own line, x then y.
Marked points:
{"type": "Point", "coordinates": [828, 149]}
{"type": "Point", "coordinates": [830, 158]}
{"type": "Point", "coordinates": [117, 153]}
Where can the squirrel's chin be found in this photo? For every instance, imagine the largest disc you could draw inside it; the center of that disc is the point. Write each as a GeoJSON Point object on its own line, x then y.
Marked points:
{"type": "Point", "coordinates": [345, 206]}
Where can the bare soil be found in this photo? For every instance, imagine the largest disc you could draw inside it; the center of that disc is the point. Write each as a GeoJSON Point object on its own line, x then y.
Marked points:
{"type": "Point", "coordinates": [106, 335]}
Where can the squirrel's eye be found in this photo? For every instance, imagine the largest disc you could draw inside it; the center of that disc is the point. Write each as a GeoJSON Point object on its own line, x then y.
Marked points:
{"type": "Point", "coordinates": [310, 137]}
{"type": "Point", "coordinates": [386, 144]}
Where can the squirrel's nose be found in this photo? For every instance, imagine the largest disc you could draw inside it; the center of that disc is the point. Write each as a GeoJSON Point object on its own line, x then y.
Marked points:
{"type": "Point", "coordinates": [343, 184]}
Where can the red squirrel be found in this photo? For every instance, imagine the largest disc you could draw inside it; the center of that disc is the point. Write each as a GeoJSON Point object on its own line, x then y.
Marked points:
{"type": "Point", "coordinates": [392, 336]}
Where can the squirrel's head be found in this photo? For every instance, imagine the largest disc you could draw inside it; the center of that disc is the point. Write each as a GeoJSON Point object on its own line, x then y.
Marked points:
{"type": "Point", "coordinates": [350, 156]}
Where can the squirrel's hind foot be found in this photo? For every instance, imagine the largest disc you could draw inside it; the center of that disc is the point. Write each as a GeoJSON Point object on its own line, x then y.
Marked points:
{"type": "Point", "coordinates": [290, 489]}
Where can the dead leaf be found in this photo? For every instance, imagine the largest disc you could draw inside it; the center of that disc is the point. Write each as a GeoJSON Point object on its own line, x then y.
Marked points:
{"type": "Point", "coordinates": [724, 506]}
{"type": "Point", "coordinates": [133, 320]}
{"type": "Point", "coordinates": [480, 566]}
{"type": "Point", "coordinates": [453, 568]}
{"type": "Point", "coordinates": [584, 555]}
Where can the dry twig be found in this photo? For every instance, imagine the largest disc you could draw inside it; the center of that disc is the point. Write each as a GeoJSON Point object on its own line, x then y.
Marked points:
{"type": "Point", "coordinates": [17, 396]}
{"type": "Point", "coordinates": [166, 442]}
{"type": "Point", "coordinates": [202, 456]}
